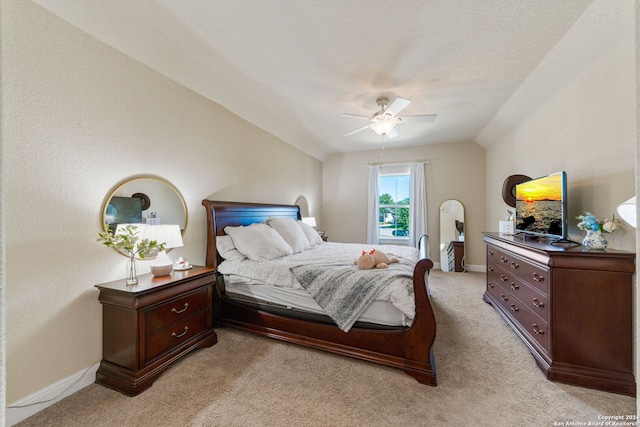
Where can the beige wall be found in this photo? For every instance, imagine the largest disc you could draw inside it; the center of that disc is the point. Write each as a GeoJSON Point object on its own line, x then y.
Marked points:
{"type": "Point", "coordinates": [78, 118]}
{"type": "Point", "coordinates": [455, 171]}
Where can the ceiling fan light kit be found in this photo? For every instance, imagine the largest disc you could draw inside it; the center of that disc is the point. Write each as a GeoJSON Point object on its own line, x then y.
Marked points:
{"type": "Point", "coordinates": [383, 126]}
{"type": "Point", "coordinates": [384, 121]}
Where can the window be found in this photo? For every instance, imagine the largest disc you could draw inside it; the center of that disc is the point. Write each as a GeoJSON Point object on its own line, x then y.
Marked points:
{"type": "Point", "coordinates": [393, 221]}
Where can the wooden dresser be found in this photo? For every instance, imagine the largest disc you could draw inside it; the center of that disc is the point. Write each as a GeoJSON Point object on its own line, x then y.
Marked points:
{"type": "Point", "coordinates": [148, 326]}
{"type": "Point", "coordinates": [570, 306]}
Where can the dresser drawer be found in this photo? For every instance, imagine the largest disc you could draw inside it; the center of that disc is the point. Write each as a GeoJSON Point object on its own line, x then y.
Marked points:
{"type": "Point", "coordinates": [534, 327]}
{"type": "Point", "coordinates": [497, 276]}
{"type": "Point", "coordinates": [530, 273]}
{"type": "Point", "coordinates": [500, 294]}
{"type": "Point", "coordinates": [531, 298]}
{"type": "Point", "coordinates": [172, 336]}
{"type": "Point", "coordinates": [176, 309]}
{"type": "Point", "coordinates": [531, 324]}
{"type": "Point", "coordinates": [497, 256]}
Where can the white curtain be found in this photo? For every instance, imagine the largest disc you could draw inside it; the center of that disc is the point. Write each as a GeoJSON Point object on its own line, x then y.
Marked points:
{"type": "Point", "coordinates": [373, 206]}
{"type": "Point", "coordinates": [417, 204]}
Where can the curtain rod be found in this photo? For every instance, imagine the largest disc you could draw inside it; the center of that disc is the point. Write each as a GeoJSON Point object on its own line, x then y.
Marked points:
{"type": "Point", "coordinates": [398, 163]}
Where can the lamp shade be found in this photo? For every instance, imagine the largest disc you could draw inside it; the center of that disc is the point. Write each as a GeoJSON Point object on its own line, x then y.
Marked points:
{"type": "Point", "coordinates": [309, 220]}
{"type": "Point", "coordinates": [627, 211]}
{"type": "Point", "coordinates": [171, 236]}
{"type": "Point", "coordinates": [167, 233]}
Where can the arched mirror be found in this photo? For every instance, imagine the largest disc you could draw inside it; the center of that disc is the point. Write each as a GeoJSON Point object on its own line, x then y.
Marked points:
{"type": "Point", "coordinates": [144, 200]}
{"type": "Point", "coordinates": [302, 203]}
{"type": "Point", "coordinates": [452, 230]}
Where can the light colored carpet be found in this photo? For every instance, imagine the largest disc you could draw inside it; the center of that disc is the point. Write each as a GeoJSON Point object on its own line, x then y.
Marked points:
{"type": "Point", "coordinates": [486, 377]}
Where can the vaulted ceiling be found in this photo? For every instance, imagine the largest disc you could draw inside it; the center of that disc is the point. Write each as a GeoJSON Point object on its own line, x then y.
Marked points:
{"type": "Point", "coordinates": [292, 66]}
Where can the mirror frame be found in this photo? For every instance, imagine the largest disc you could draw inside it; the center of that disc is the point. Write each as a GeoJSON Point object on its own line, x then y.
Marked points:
{"type": "Point", "coordinates": [441, 251]}
{"type": "Point", "coordinates": [126, 181]}
{"type": "Point", "coordinates": [303, 204]}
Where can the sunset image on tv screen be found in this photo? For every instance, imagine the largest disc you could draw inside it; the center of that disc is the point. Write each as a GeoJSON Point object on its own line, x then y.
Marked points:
{"type": "Point", "coordinates": [539, 205]}
{"type": "Point", "coordinates": [547, 188]}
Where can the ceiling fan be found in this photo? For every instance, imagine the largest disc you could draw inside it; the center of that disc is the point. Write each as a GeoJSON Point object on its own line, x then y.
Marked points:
{"type": "Point", "coordinates": [384, 121]}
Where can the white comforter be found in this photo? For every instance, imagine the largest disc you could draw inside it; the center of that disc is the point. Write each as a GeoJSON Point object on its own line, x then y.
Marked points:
{"type": "Point", "coordinates": [276, 271]}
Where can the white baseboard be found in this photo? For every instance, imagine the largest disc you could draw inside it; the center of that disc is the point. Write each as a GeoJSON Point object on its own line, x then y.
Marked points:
{"type": "Point", "coordinates": [30, 405]}
{"type": "Point", "coordinates": [477, 268]}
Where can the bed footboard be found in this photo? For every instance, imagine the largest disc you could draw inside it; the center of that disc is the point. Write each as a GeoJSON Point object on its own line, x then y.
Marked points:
{"type": "Point", "coordinates": [409, 349]}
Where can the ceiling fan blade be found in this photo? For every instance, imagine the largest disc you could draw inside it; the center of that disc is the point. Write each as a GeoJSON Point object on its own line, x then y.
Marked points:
{"type": "Point", "coordinates": [357, 116]}
{"type": "Point", "coordinates": [392, 133]}
{"type": "Point", "coordinates": [397, 105]}
{"type": "Point", "coordinates": [356, 131]}
{"type": "Point", "coordinates": [423, 118]}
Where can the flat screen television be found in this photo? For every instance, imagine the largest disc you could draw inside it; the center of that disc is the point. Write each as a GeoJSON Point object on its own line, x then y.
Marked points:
{"type": "Point", "coordinates": [541, 206]}
{"type": "Point", "coordinates": [123, 210]}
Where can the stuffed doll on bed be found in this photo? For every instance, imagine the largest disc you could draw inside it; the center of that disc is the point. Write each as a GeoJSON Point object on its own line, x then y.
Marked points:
{"type": "Point", "coordinates": [374, 259]}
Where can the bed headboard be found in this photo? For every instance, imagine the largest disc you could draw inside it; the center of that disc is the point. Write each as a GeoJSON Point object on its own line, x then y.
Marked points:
{"type": "Point", "coordinates": [223, 214]}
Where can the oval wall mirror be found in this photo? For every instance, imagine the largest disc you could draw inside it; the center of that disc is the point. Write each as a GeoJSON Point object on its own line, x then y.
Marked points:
{"type": "Point", "coordinates": [452, 236]}
{"type": "Point", "coordinates": [144, 200]}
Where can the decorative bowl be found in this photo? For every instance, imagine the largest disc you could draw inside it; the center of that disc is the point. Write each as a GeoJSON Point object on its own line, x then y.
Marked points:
{"type": "Point", "coordinates": [161, 270]}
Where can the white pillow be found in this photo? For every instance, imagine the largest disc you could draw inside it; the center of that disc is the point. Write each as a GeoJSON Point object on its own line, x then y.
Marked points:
{"type": "Point", "coordinates": [258, 241]}
{"type": "Point", "coordinates": [291, 232]}
{"type": "Point", "coordinates": [312, 235]}
{"type": "Point", "coordinates": [227, 249]}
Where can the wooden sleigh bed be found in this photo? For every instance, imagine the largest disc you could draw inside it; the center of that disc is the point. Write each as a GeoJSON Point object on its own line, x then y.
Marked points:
{"type": "Point", "coordinates": [407, 348]}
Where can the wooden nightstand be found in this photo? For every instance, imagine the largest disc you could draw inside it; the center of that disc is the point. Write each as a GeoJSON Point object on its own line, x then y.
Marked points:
{"type": "Point", "coordinates": [148, 326]}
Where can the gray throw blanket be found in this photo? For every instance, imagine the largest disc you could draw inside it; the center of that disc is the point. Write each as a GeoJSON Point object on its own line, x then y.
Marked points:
{"type": "Point", "coordinates": [344, 291]}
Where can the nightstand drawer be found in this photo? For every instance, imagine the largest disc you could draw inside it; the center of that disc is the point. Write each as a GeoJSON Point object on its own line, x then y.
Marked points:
{"type": "Point", "coordinates": [176, 309]}
{"type": "Point", "coordinates": [149, 326]}
{"type": "Point", "coordinates": [172, 336]}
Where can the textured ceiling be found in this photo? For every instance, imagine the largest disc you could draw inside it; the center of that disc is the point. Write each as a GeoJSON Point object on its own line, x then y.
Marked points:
{"type": "Point", "coordinates": [292, 66]}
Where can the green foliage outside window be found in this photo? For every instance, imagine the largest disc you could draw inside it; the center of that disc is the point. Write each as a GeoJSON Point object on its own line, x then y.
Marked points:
{"type": "Point", "coordinates": [394, 215]}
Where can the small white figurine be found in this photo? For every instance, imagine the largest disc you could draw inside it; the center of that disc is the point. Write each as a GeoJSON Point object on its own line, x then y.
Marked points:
{"type": "Point", "coordinates": [181, 264]}
{"type": "Point", "coordinates": [510, 216]}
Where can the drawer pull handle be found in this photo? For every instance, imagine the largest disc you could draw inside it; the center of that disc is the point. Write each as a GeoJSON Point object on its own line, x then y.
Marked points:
{"type": "Point", "coordinates": [515, 286]}
{"type": "Point", "coordinates": [538, 278]}
{"type": "Point", "coordinates": [173, 334]}
{"type": "Point", "coordinates": [538, 303]}
{"type": "Point", "coordinates": [515, 265]}
{"type": "Point", "coordinates": [503, 259]}
{"type": "Point", "coordinates": [514, 308]}
{"type": "Point", "coordinates": [489, 284]}
{"type": "Point", "coordinates": [504, 298]}
{"type": "Point", "coordinates": [186, 304]}
{"type": "Point", "coordinates": [490, 252]}
{"type": "Point", "coordinates": [537, 330]}
{"type": "Point", "coordinates": [490, 268]}
{"type": "Point", "coordinates": [503, 278]}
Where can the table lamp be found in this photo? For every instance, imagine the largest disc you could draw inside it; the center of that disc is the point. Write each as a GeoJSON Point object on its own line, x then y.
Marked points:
{"type": "Point", "coordinates": [627, 211]}
{"type": "Point", "coordinates": [168, 233]}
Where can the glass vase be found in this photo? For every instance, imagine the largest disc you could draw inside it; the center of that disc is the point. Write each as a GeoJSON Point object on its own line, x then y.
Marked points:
{"type": "Point", "coordinates": [132, 272]}
{"type": "Point", "coordinates": [594, 240]}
